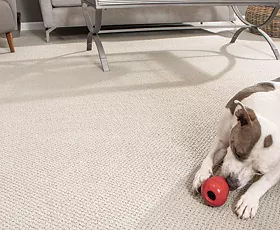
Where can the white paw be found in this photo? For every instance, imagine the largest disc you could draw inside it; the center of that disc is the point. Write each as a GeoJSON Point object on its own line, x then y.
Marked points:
{"type": "Point", "coordinates": [202, 174]}
{"type": "Point", "coordinates": [247, 206]}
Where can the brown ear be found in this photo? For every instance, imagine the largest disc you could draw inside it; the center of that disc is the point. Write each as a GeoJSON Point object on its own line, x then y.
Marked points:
{"type": "Point", "coordinates": [242, 117]}
{"type": "Point", "coordinates": [245, 116]}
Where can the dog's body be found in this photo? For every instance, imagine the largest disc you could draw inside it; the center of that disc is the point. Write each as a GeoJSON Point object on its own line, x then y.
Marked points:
{"type": "Point", "coordinates": [248, 144]}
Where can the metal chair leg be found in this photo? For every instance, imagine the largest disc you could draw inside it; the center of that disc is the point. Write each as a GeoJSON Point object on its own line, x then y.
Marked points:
{"type": "Point", "coordinates": [256, 27]}
{"type": "Point", "coordinates": [93, 34]}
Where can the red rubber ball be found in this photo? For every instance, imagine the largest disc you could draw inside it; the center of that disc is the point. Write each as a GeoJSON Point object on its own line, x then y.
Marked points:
{"type": "Point", "coordinates": [215, 191]}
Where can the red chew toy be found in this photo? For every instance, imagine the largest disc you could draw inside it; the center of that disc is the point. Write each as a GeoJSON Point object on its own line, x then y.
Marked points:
{"type": "Point", "coordinates": [215, 191]}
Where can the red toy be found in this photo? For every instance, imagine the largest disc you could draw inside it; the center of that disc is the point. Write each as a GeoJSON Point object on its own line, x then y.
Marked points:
{"type": "Point", "coordinates": [215, 191]}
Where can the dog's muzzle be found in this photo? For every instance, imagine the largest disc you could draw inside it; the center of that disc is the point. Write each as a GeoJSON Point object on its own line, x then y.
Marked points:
{"type": "Point", "coordinates": [233, 183]}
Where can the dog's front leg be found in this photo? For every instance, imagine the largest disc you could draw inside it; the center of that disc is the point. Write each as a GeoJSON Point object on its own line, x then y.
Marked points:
{"type": "Point", "coordinates": [215, 156]}
{"type": "Point", "coordinates": [217, 152]}
{"type": "Point", "coordinates": [248, 204]}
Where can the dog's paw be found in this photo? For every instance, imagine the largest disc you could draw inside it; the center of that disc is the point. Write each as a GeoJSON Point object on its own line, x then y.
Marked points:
{"type": "Point", "coordinates": [201, 175]}
{"type": "Point", "coordinates": [247, 206]}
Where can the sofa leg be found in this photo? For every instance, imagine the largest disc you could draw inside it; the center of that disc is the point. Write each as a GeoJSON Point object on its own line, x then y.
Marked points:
{"type": "Point", "coordinates": [10, 41]}
{"type": "Point", "coordinates": [48, 31]}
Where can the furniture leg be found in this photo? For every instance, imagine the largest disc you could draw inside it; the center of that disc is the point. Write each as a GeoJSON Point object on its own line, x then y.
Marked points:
{"type": "Point", "coordinates": [256, 27]}
{"type": "Point", "coordinates": [270, 42]}
{"type": "Point", "coordinates": [48, 31]}
{"type": "Point", "coordinates": [271, 17]}
{"type": "Point", "coordinates": [94, 31]}
{"type": "Point", "coordinates": [239, 15]}
{"type": "Point", "coordinates": [10, 41]}
{"type": "Point", "coordinates": [237, 33]}
{"type": "Point", "coordinates": [89, 41]}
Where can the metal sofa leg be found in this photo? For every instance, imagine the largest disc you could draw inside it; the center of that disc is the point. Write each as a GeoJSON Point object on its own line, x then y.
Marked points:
{"type": "Point", "coordinates": [93, 34]}
{"type": "Point", "coordinates": [48, 31]}
{"type": "Point", "coordinates": [256, 27]}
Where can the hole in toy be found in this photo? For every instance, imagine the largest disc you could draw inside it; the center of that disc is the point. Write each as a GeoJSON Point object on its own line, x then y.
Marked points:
{"type": "Point", "coordinates": [211, 195]}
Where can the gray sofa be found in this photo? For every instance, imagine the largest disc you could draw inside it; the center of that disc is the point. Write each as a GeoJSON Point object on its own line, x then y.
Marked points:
{"type": "Point", "coordinates": [65, 13]}
{"type": "Point", "coordinates": [8, 20]}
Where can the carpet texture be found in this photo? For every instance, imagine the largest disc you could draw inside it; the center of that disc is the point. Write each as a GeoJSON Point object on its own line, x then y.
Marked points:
{"type": "Point", "coordinates": [83, 149]}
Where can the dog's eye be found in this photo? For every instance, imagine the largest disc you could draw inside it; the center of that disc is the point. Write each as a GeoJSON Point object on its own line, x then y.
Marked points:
{"type": "Point", "coordinates": [259, 172]}
{"type": "Point", "coordinates": [238, 155]}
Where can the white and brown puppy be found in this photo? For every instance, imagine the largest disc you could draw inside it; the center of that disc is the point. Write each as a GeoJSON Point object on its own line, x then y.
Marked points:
{"type": "Point", "coordinates": [247, 144]}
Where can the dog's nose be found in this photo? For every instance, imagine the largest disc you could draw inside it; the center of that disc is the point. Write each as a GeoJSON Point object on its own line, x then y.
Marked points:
{"type": "Point", "coordinates": [233, 183]}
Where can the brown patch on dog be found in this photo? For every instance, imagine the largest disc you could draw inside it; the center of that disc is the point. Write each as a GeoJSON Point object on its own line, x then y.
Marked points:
{"type": "Point", "coordinates": [245, 134]}
{"type": "Point", "coordinates": [268, 141]}
{"type": "Point", "coordinates": [260, 87]}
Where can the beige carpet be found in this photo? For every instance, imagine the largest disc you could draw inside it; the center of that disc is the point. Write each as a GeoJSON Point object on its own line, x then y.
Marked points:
{"type": "Point", "coordinates": [83, 149]}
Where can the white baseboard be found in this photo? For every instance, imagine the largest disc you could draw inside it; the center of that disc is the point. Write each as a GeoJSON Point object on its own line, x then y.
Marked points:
{"type": "Point", "coordinates": [40, 25]}
{"type": "Point", "coordinates": [32, 26]}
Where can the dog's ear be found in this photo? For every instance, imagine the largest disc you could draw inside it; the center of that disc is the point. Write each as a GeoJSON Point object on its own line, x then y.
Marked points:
{"type": "Point", "coordinates": [245, 116]}
{"type": "Point", "coordinates": [242, 118]}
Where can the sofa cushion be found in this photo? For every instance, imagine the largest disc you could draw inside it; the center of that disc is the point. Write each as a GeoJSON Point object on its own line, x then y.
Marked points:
{"type": "Point", "coordinates": [66, 3]}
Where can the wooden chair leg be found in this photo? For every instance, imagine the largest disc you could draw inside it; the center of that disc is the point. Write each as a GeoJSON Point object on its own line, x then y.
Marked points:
{"type": "Point", "coordinates": [10, 41]}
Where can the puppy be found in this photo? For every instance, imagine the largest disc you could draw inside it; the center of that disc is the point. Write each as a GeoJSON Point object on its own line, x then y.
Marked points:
{"type": "Point", "coordinates": [247, 144]}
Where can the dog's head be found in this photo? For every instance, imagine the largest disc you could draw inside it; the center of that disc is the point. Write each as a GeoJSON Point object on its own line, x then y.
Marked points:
{"type": "Point", "coordinates": [251, 148]}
